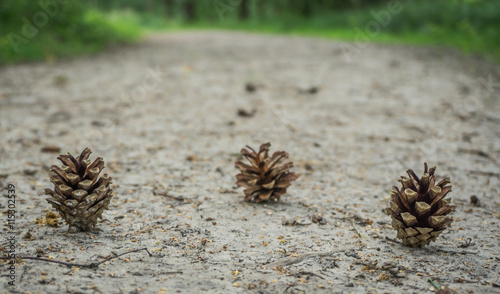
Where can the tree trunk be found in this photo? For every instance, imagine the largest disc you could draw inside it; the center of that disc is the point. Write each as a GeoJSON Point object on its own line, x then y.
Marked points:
{"type": "Point", "coordinates": [169, 8]}
{"type": "Point", "coordinates": [307, 9]}
{"type": "Point", "coordinates": [244, 12]}
{"type": "Point", "coordinates": [190, 11]}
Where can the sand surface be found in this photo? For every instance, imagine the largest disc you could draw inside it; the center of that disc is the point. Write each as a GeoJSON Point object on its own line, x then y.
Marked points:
{"type": "Point", "coordinates": [164, 116]}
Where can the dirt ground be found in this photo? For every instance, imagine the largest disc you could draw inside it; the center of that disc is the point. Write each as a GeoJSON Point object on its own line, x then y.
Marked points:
{"type": "Point", "coordinates": [170, 115]}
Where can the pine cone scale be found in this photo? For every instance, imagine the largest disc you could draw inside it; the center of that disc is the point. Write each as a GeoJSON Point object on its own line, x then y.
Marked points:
{"type": "Point", "coordinates": [59, 173]}
{"type": "Point", "coordinates": [443, 210]}
{"type": "Point", "coordinates": [67, 161]}
{"type": "Point", "coordinates": [245, 167]}
{"type": "Point", "coordinates": [79, 194]}
{"type": "Point", "coordinates": [243, 184]}
{"type": "Point", "coordinates": [439, 197]}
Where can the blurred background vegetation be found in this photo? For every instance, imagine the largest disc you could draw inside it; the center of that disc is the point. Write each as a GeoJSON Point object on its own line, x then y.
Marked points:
{"type": "Point", "coordinates": [49, 29]}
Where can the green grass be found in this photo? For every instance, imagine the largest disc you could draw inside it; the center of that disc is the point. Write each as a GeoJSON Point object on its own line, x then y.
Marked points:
{"type": "Point", "coordinates": [443, 38]}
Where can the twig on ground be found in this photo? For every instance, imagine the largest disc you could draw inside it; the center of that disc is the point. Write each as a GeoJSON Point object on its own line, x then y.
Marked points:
{"type": "Point", "coordinates": [22, 275]}
{"type": "Point", "coordinates": [483, 173]}
{"type": "Point", "coordinates": [356, 229]}
{"type": "Point", "coordinates": [477, 152]}
{"type": "Point", "coordinates": [293, 222]}
{"type": "Point", "coordinates": [300, 258]}
{"type": "Point", "coordinates": [69, 264]}
{"type": "Point", "coordinates": [431, 250]}
{"type": "Point", "coordinates": [165, 194]}
{"type": "Point", "coordinates": [451, 251]}
{"type": "Point", "coordinates": [388, 138]}
{"type": "Point", "coordinates": [227, 191]}
{"type": "Point", "coordinates": [304, 273]}
{"type": "Point", "coordinates": [290, 286]}
{"type": "Point", "coordinates": [392, 240]}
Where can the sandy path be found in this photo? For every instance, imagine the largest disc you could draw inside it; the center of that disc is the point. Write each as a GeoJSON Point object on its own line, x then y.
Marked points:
{"type": "Point", "coordinates": [163, 114]}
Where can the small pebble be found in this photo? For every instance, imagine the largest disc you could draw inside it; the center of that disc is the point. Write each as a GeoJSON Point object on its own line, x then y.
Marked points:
{"type": "Point", "coordinates": [250, 87]}
{"type": "Point", "coordinates": [474, 200]}
{"type": "Point", "coordinates": [394, 271]}
{"type": "Point", "coordinates": [30, 171]}
{"type": "Point", "coordinates": [51, 149]}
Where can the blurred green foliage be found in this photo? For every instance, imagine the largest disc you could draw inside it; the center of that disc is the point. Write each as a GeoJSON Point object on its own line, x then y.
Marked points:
{"type": "Point", "coordinates": [470, 25]}
{"type": "Point", "coordinates": [88, 26]}
{"type": "Point", "coordinates": [48, 29]}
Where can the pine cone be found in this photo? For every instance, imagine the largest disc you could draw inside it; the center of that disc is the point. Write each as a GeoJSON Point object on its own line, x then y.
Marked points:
{"type": "Point", "coordinates": [419, 210]}
{"type": "Point", "coordinates": [79, 195]}
{"type": "Point", "coordinates": [265, 179]}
